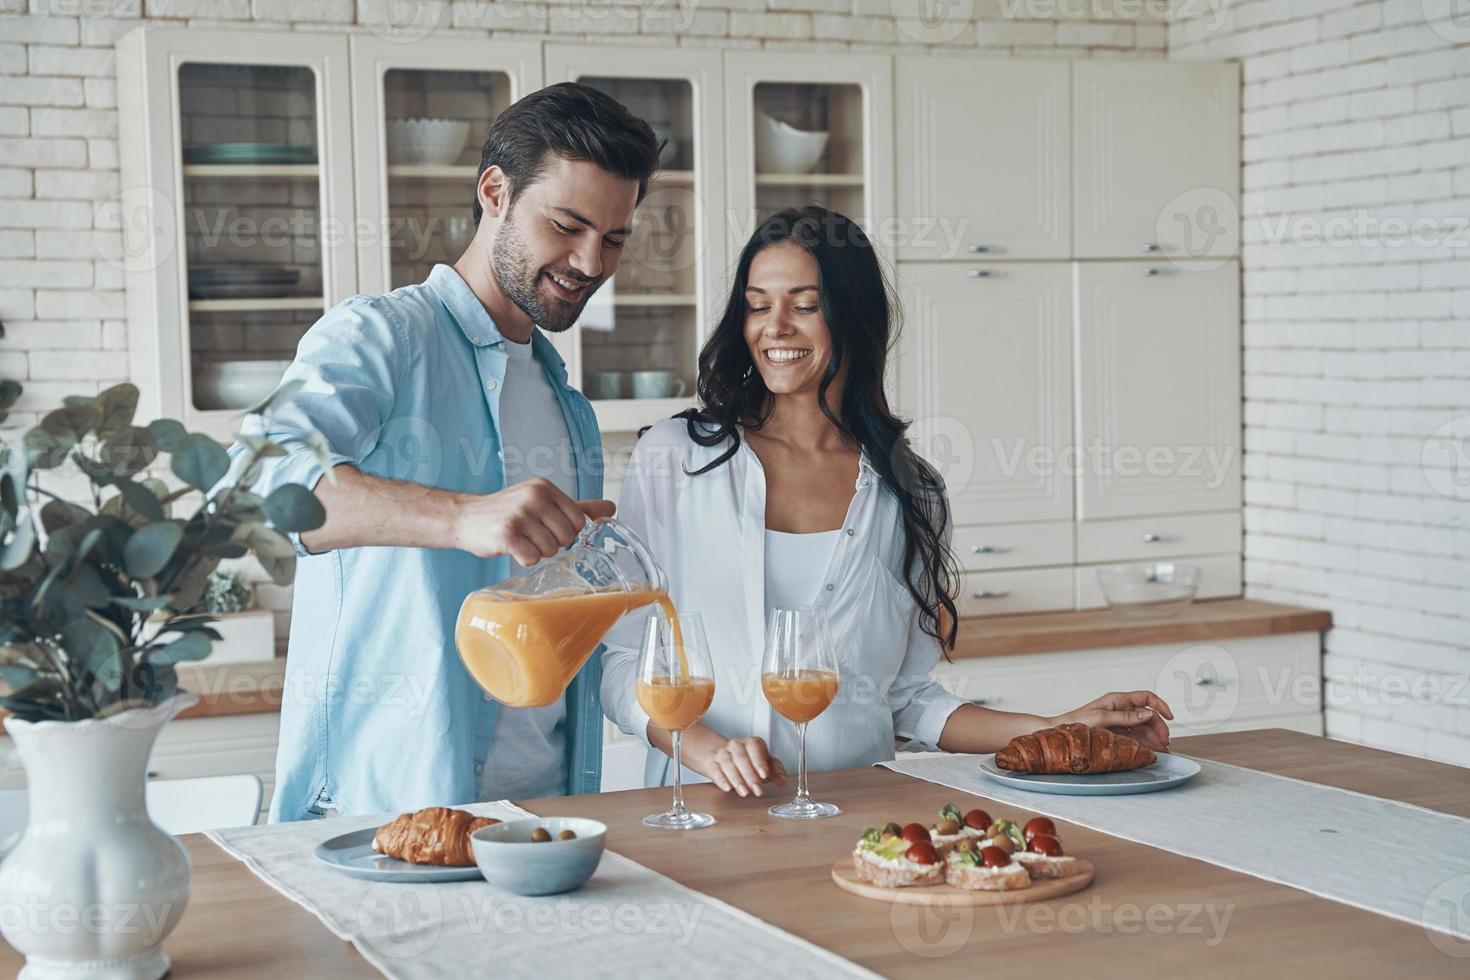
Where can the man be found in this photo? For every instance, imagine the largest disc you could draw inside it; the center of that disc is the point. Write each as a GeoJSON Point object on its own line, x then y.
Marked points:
{"type": "Point", "coordinates": [460, 456]}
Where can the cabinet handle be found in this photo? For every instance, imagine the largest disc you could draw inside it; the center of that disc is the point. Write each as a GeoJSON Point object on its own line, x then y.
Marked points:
{"type": "Point", "coordinates": [980, 273]}
{"type": "Point", "coordinates": [989, 549]}
{"type": "Point", "coordinates": [985, 702]}
{"type": "Point", "coordinates": [1151, 247]}
{"type": "Point", "coordinates": [1150, 272]}
{"type": "Point", "coordinates": [987, 594]}
{"type": "Point", "coordinates": [979, 249]}
{"type": "Point", "coordinates": [1201, 680]}
{"type": "Point", "coordinates": [1153, 538]}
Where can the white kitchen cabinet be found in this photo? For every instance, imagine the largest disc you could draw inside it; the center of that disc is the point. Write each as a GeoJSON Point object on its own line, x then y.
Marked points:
{"type": "Point", "coordinates": [417, 204]}
{"type": "Point", "coordinates": [985, 372]}
{"type": "Point", "coordinates": [816, 128]}
{"type": "Point", "coordinates": [1158, 389]}
{"type": "Point", "coordinates": [235, 149]}
{"type": "Point", "coordinates": [1156, 164]}
{"type": "Point", "coordinates": [984, 158]}
{"type": "Point", "coordinates": [1217, 686]}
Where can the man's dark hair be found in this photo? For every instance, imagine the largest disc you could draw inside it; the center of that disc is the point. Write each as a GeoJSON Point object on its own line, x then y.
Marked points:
{"type": "Point", "coordinates": [573, 121]}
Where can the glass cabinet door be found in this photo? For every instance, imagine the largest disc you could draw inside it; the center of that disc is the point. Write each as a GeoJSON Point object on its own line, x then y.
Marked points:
{"type": "Point", "coordinates": [635, 350]}
{"type": "Point", "coordinates": [817, 130]}
{"type": "Point", "coordinates": [422, 112]}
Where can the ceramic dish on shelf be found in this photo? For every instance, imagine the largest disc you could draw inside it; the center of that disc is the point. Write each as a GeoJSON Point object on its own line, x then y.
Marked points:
{"type": "Point", "coordinates": [235, 384]}
{"type": "Point", "coordinates": [436, 142]}
{"type": "Point", "coordinates": [242, 281]}
{"type": "Point", "coordinates": [249, 153]}
{"type": "Point", "coordinates": [781, 148]}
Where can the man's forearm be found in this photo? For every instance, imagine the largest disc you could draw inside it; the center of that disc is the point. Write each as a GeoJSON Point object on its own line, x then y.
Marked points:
{"type": "Point", "coordinates": [364, 510]}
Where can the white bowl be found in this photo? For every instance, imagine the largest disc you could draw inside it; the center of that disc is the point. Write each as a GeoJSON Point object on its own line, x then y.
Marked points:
{"type": "Point", "coordinates": [509, 859]}
{"type": "Point", "coordinates": [426, 141]}
{"type": "Point", "coordinates": [235, 384]}
{"type": "Point", "coordinates": [781, 148]}
{"type": "Point", "coordinates": [1156, 590]}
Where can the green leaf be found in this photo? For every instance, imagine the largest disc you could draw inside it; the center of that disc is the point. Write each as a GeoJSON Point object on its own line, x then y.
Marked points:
{"type": "Point", "coordinates": [141, 500]}
{"type": "Point", "coordinates": [261, 446]}
{"type": "Point", "coordinates": [322, 452]}
{"type": "Point", "coordinates": [247, 507]}
{"type": "Point", "coordinates": [88, 585]}
{"type": "Point", "coordinates": [97, 472]}
{"type": "Point", "coordinates": [271, 549]}
{"type": "Point", "coordinates": [191, 646]}
{"type": "Point", "coordinates": [128, 451]}
{"type": "Point", "coordinates": [168, 432]}
{"type": "Point", "coordinates": [292, 507]}
{"type": "Point", "coordinates": [9, 393]}
{"type": "Point", "coordinates": [150, 548]}
{"type": "Point", "coordinates": [200, 461]}
{"type": "Point", "coordinates": [190, 584]}
{"type": "Point", "coordinates": [77, 418]}
{"type": "Point", "coordinates": [17, 550]}
{"type": "Point", "coordinates": [89, 643]}
{"type": "Point", "coordinates": [57, 514]}
{"type": "Point", "coordinates": [143, 604]}
{"type": "Point", "coordinates": [116, 407]}
{"type": "Point", "coordinates": [44, 450]}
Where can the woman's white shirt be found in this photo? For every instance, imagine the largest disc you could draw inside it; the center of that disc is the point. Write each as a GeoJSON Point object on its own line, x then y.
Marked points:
{"type": "Point", "coordinates": [708, 533]}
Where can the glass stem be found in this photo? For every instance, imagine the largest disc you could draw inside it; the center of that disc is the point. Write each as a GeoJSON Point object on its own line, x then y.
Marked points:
{"type": "Point", "coordinates": [678, 775]}
{"type": "Point", "coordinates": [801, 793]}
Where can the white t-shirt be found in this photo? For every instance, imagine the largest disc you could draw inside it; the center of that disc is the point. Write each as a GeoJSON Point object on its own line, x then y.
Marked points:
{"type": "Point", "coordinates": [794, 567]}
{"type": "Point", "coordinates": [527, 756]}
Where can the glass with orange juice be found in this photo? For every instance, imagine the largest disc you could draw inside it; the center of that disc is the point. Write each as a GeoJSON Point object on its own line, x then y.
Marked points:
{"type": "Point", "coordinates": [676, 684]}
{"type": "Point", "coordinates": [799, 679]}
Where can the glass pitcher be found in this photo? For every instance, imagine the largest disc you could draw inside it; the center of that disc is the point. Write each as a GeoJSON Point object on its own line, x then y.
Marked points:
{"type": "Point", "coordinates": [524, 639]}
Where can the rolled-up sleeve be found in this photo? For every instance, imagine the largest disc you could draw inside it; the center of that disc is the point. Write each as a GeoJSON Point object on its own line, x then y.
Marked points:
{"type": "Point", "coordinates": [349, 362]}
{"type": "Point", "coordinates": [645, 506]}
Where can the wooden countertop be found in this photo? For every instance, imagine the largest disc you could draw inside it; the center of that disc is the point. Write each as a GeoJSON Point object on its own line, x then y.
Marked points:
{"type": "Point", "coordinates": [238, 926]}
{"type": "Point", "coordinates": [250, 688]}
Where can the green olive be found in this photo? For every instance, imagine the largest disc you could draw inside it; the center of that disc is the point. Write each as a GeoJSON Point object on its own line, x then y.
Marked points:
{"type": "Point", "coordinates": [1003, 842]}
{"type": "Point", "coordinates": [540, 835]}
{"type": "Point", "coordinates": [946, 828]}
{"type": "Point", "coordinates": [893, 828]}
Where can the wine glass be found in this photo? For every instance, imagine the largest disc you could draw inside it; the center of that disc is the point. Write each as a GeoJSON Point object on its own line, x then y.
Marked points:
{"type": "Point", "coordinates": [799, 678]}
{"type": "Point", "coordinates": [675, 686]}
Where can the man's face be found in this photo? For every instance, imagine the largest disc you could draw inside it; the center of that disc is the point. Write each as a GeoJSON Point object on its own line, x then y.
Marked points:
{"type": "Point", "coordinates": [562, 239]}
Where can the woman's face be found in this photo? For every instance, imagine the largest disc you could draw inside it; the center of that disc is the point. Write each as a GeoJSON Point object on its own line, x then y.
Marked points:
{"type": "Point", "coordinates": [784, 329]}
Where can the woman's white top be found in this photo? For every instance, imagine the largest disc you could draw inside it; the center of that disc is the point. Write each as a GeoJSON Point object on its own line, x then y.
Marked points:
{"type": "Point", "coordinates": [708, 532]}
{"type": "Point", "coordinates": [794, 567]}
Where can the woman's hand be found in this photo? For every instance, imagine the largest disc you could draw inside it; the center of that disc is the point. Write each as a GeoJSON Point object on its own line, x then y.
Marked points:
{"type": "Point", "coordinates": [743, 765]}
{"type": "Point", "coordinates": [1137, 714]}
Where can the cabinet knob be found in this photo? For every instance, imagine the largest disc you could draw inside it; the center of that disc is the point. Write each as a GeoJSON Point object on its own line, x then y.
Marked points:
{"type": "Point", "coordinates": [1150, 271]}
{"type": "Point", "coordinates": [989, 549]}
{"type": "Point", "coordinates": [1204, 680]}
{"type": "Point", "coordinates": [988, 594]}
{"type": "Point", "coordinates": [980, 273]}
{"type": "Point", "coordinates": [1151, 247]}
{"type": "Point", "coordinates": [979, 249]}
{"type": "Point", "coordinates": [1153, 538]}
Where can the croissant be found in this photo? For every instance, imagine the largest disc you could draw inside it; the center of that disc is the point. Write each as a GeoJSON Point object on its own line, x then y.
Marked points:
{"type": "Point", "coordinates": [1073, 748]}
{"type": "Point", "coordinates": [433, 835]}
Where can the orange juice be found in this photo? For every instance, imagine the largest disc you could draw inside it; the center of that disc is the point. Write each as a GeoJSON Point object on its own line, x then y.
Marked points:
{"type": "Point", "coordinates": [525, 650]}
{"type": "Point", "coordinates": [676, 703]}
{"type": "Point", "coordinates": [800, 695]}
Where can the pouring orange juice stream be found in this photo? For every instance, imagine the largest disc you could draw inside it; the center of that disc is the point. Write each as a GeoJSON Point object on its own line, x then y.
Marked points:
{"type": "Point", "coordinates": [525, 650]}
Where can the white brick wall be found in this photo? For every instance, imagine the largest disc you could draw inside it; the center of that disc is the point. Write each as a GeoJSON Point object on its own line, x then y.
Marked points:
{"type": "Point", "coordinates": [1357, 350]}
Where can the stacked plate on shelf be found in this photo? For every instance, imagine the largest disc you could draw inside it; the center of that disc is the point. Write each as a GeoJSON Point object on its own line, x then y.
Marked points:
{"type": "Point", "coordinates": [242, 281]}
{"type": "Point", "coordinates": [249, 153]}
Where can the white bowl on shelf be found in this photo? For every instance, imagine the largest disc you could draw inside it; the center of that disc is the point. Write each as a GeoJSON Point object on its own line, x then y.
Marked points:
{"type": "Point", "coordinates": [1149, 590]}
{"type": "Point", "coordinates": [781, 148]}
{"type": "Point", "coordinates": [235, 384]}
{"type": "Point", "coordinates": [426, 141]}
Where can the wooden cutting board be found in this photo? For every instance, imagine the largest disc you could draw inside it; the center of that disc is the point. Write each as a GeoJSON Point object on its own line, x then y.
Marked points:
{"type": "Point", "coordinates": [1040, 889]}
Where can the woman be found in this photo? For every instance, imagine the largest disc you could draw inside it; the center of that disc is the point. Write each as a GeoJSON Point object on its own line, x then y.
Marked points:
{"type": "Point", "coordinates": [792, 485]}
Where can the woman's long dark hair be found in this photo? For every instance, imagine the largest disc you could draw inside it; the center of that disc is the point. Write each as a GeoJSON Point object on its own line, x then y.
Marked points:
{"type": "Point", "coordinates": [856, 305]}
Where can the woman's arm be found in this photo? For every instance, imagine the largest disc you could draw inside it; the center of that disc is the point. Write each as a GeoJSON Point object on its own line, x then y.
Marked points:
{"type": "Point", "coordinates": [1139, 714]}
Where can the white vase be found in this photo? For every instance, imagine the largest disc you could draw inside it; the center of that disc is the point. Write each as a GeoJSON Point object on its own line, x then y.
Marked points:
{"type": "Point", "coordinates": [93, 886]}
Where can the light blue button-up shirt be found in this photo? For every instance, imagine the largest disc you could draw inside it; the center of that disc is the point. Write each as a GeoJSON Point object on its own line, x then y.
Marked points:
{"type": "Point", "coordinates": [378, 713]}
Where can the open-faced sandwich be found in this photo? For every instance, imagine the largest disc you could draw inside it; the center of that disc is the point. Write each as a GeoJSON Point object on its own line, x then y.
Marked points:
{"type": "Point", "coordinates": [1042, 856]}
{"type": "Point", "coordinates": [893, 857]}
{"type": "Point", "coordinates": [954, 826]}
{"type": "Point", "coordinates": [984, 868]}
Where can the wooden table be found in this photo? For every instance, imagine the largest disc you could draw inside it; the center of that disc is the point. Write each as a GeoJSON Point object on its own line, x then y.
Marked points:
{"type": "Point", "coordinates": [1149, 913]}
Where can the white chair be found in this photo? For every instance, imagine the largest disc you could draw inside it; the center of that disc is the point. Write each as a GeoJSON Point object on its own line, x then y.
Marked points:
{"type": "Point", "coordinates": [178, 806]}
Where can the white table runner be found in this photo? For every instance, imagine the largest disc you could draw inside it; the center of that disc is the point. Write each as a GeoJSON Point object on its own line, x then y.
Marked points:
{"type": "Point", "coordinates": [626, 921]}
{"type": "Point", "coordinates": [1388, 857]}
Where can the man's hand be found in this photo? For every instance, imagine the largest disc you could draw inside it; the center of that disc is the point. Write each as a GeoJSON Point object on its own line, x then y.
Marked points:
{"type": "Point", "coordinates": [529, 521]}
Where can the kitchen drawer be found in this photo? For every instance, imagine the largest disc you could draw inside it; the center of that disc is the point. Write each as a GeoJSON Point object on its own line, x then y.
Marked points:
{"type": "Point", "coordinates": [1234, 683]}
{"type": "Point", "coordinates": [1013, 545]}
{"type": "Point", "coordinates": [1219, 577]}
{"type": "Point", "coordinates": [1146, 538]}
{"type": "Point", "coordinates": [1019, 590]}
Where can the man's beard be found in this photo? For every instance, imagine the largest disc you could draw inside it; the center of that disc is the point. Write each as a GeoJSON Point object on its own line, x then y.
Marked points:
{"type": "Point", "coordinates": [522, 283]}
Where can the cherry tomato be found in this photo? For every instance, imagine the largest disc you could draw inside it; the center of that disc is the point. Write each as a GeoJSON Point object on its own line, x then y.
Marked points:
{"type": "Point", "coordinates": [915, 833]}
{"type": "Point", "coordinates": [1039, 825]}
{"type": "Point", "coordinates": [978, 819]}
{"type": "Point", "coordinates": [922, 853]}
{"type": "Point", "coordinates": [994, 857]}
{"type": "Point", "coordinates": [1045, 844]}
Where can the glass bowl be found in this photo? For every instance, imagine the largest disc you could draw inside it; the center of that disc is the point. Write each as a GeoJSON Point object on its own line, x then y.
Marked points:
{"type": "Point", "coordinates": [1154, 590]}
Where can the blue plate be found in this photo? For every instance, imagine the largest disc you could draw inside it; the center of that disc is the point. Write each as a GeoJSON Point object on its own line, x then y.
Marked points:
{"type": "Point", "coordinates": [1169, 771]}
{"type": "Point", "coordinates": [353, 854]}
